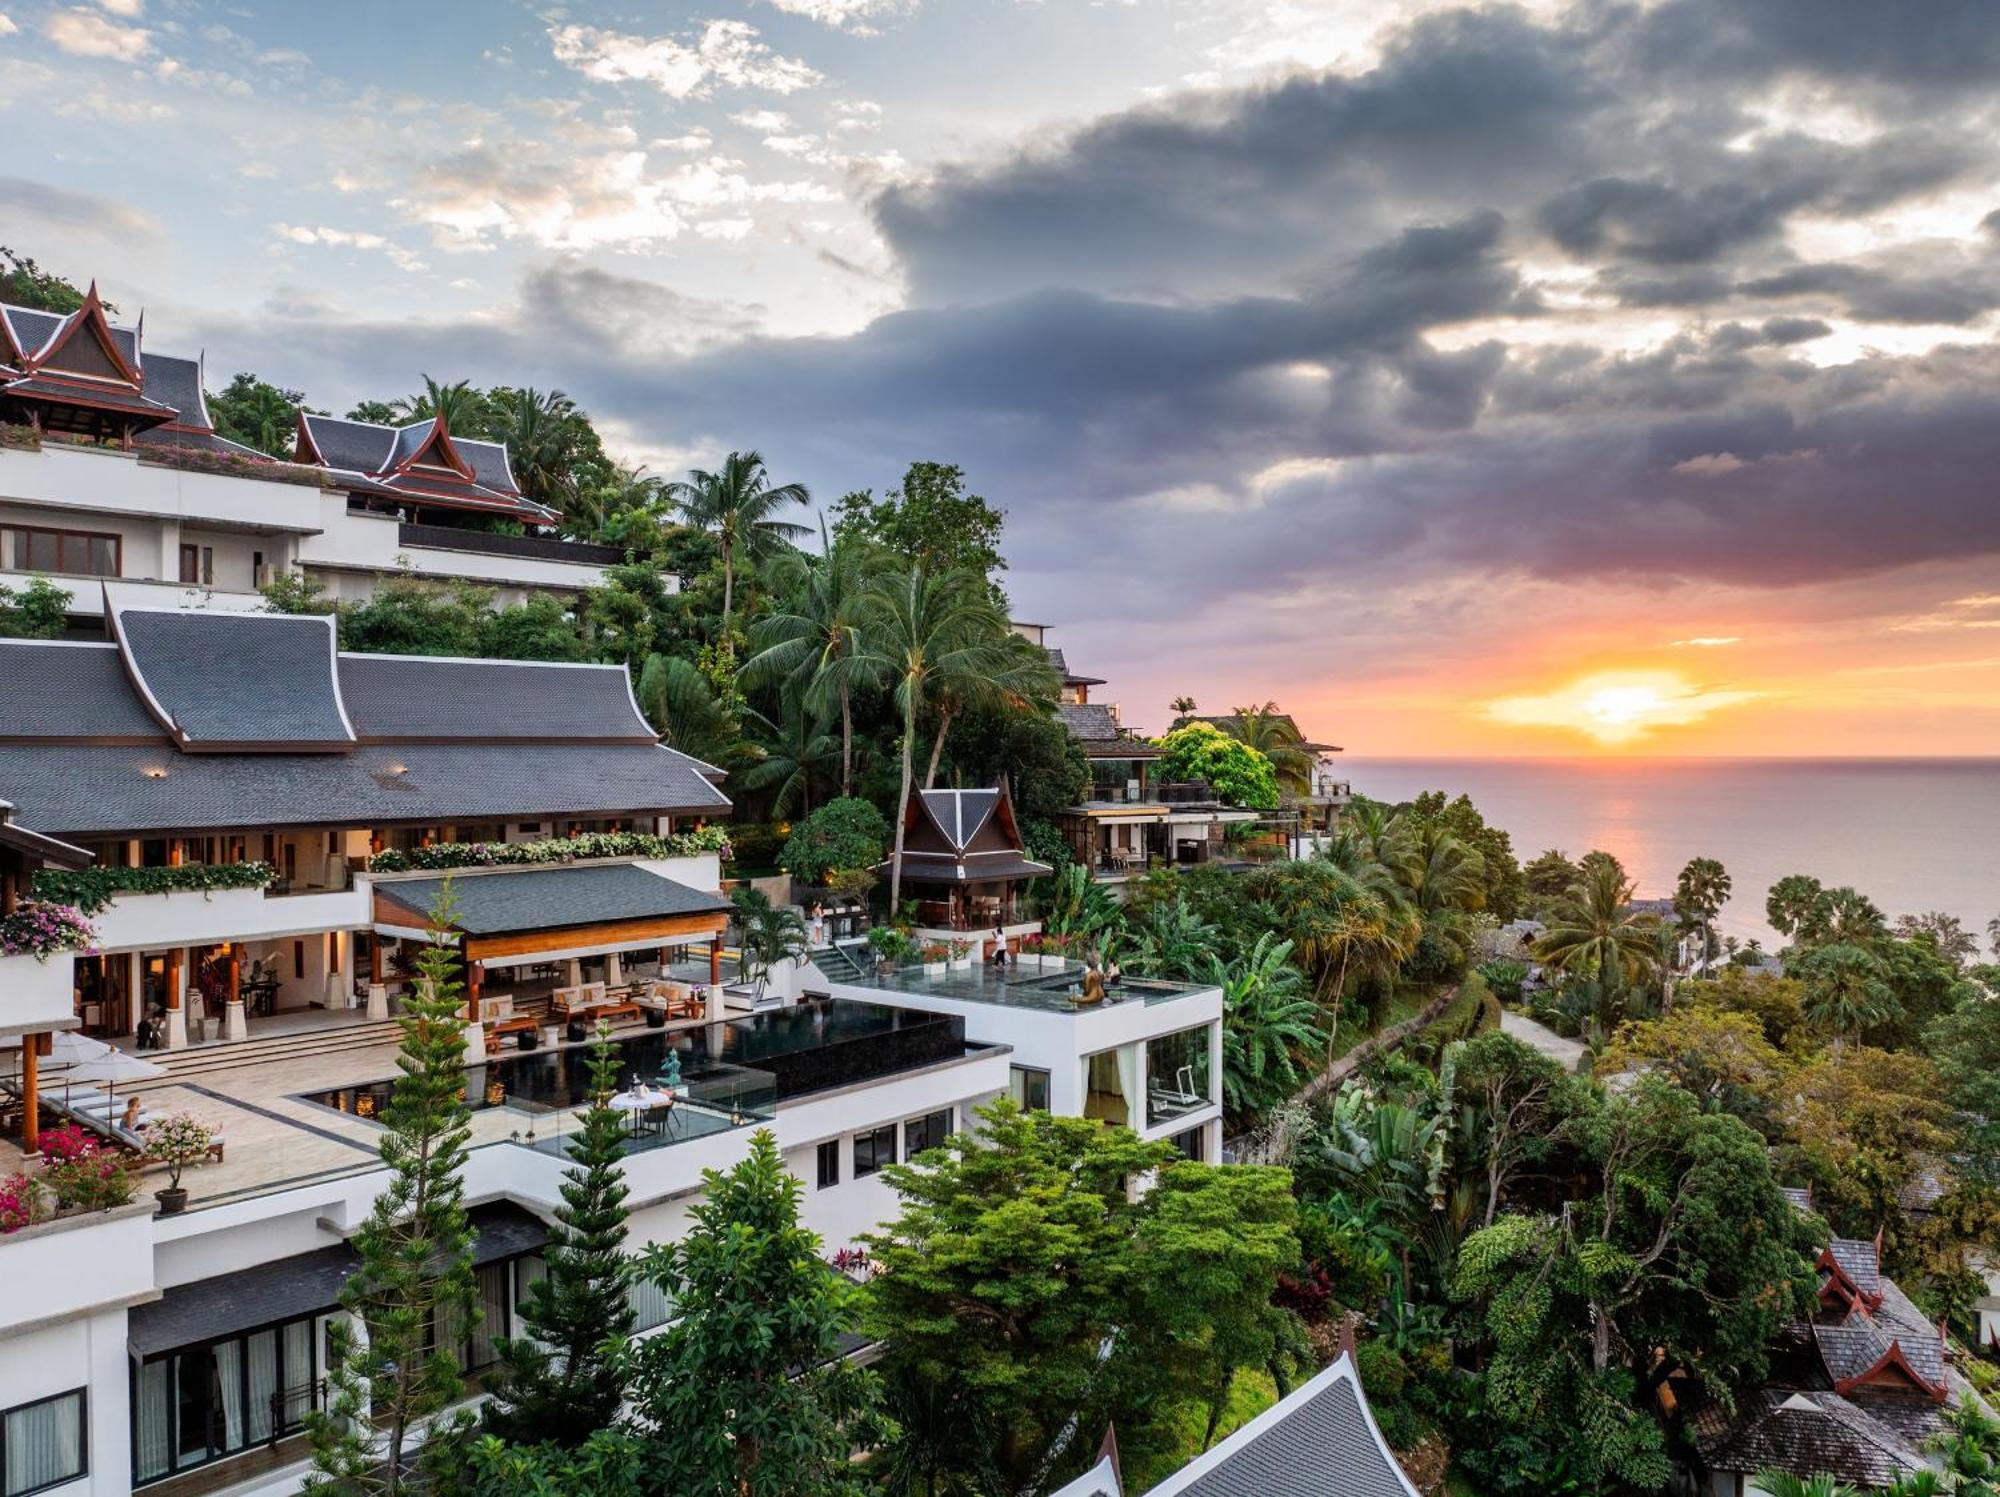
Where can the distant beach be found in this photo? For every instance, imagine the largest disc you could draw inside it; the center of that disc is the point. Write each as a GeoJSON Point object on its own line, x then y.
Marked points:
{"type": "Point", "coordinates": [1911, 834]}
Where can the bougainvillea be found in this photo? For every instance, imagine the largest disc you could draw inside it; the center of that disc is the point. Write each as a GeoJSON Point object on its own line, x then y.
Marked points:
{"type": "Point", "coordinates": [41, 928]}
{"type": "Point", "coordinates": [83, 1174]}
{"type": "Point", "coordinates": [552, 850]}
{"type": "Point", "coordinates": [22, 1203]}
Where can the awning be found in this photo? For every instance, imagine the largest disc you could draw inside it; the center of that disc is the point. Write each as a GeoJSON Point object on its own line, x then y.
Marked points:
{"type": "Point", "coordinates": [249, 1299]}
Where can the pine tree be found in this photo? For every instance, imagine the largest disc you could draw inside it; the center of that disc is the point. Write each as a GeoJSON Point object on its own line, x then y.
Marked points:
{"type": "Point", "coordinates": [567, 1382]}
{"type": "Point", "coordinates": [415, 1272]}
{"type": "Point", "coordinates": [746, 1395]}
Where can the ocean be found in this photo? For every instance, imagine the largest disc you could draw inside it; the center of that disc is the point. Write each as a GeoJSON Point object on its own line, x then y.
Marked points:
{"type": "Point", "coordinates": [1911, 834]}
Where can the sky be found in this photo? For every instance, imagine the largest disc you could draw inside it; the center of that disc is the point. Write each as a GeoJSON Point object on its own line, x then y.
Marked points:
{"type": "Point", "coordinates": [1471, 379]}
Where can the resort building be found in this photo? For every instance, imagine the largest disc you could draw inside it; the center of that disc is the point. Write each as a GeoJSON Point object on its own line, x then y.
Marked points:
{"type": "Point", "coordinates": [1132, 820]}
{"type": "Point", "coordinates": [261, 830]}
{"type": "Point", "coordinates": [111, 468]}
{"type": "Point", "coordinates": [1857, 1393]}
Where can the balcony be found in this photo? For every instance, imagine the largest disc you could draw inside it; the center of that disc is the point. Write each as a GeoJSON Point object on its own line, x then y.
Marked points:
{"type": "Point", "coordinates": [202, 917]}
{"type": "Point", "coordinates": [36, 993]}
{"type": "Point", "coordinates": [489, 543]}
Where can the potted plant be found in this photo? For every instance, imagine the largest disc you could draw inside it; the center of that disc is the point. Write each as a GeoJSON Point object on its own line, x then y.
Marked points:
{"type": "Point", "coordinates": [961, 955]}
{"type": "Point", "coordinates": [177, 1141]}
{"type": "Point", "coordinates": [890, 947]}
{"type": "Point", "coordinates": [934, 959]}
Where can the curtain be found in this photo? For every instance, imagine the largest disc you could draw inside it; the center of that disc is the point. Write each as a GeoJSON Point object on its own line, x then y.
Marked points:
{"type": "Point", "coordinates": [155, 1424]}
{"type": "Point", "coordinates": [265, 1383]}
{"type": "Point", "coordinates": [493, 1316]}
{"type": "Point", "coordinates": [229, 1373]}
{"type": "Point", "coordinates": [297, 1377]}
{"type": "Point", "coordinates": [650, 1305]}
{"type": "Point", "coordinates": [1128, 1082]}
{"type": "Point", "coordinates": [45, 1443]}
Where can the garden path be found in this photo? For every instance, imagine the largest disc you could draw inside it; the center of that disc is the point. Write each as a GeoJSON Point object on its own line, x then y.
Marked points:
{"type": "Point", "coordinates": [1529, 1031]}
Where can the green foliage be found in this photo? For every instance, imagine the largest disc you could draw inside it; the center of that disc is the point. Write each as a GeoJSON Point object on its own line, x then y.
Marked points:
{"type": "Point", "coordinates": [91, 889]}
{"type": "Point", "coordinates": [414, 1255]}
{"type": "Point", "coordinates": [1269, 1025]}
{"type": "Point", "coordinates": [1776, 1003]}
{"type": "Point", "coordinates": [691, 714]}
{"type": "Point", "coordinates": [40, 610]}
{"type": "Point", "coordinates": [738, 504]}
{"type": "Point", "coordinates": [1023, 745]}
{"type": "Point", "coordinates": [1845, 990]}
{"type": "Point", "coordinates": [257, 414]}
{"type": "Point", "coordinates": [563, 1380]}
{"type": "Point", "coordinates": [23, 283]}
{"type": "Point", "coordinates": [1965, 1046]}
{"type": "Point", "coordinates": [408, 615]}
{"type": "Point", "coordinates": [745, 1394]}
{"type": "Point", "coordinates": [1593, 933]}
{"type": "Point", "coordinates": [929, 522]}
{"type": "Point", "coordinates": [612, 1462]}
{"type": "Point", "coordinates": [1799, 906]}
{"type": "Point", "coordinates": [553, 850]}
{"type": "Point", "coordinates": [1504, 976]}
{"type": "Point", "coordinates": [1699, 895]}
{"type": "Point", "coordinates": [847, 833]}
{"type": "Point", "coordinates": [767, 933]}
{"type": "Point", "coordinates": [1549, 876]}
{"type": "Point", "coordinates": [1170, 940]}
{"type": "Point", "coordinates": [1238, 774]}
{"type": "Point", "coordinates": [1503, 886]}
{"type": "Point", "coordinates": [1077, 905]}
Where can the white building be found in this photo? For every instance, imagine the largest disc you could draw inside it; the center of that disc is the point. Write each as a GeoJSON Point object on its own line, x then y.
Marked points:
{"type": "Point", "coordinates": [110, 468]}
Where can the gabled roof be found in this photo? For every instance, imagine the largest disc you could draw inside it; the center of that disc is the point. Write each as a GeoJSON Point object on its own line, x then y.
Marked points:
{"type": "Point", "coordinates": [518, 899]}
{"type": "Point", "coordinates": [964, 836]}
{"type": "Point", "coordinates": [33, 844]}
{"type": "Point", "coordinates": [1803, 1431]}
{"type": "Point", "coordinates": [1094, 727]}
{"type": "Point", "coordinates": [428, 698]}
{"type": "Point", "coordinates": [1069, 677]}
{"type": "Point", "coordinates": [420, 463]}
{"type": "Point", "coordinates": [1320, 1440]}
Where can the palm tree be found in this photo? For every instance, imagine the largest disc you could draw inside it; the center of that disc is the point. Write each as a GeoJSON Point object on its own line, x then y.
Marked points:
{"type": "Point", "coordinates": [814, 636]}
{"type": "Point", "coordinates": [542, 433]}
{"type": "Point", "coordinates": [921, 628]}
{"type": "Point", "coordinates": [738, 505]}
{"type": "Point", "coordinates": [1593, 932]}
{"type": "Point", "coordinates": [1845, 990]}
{"type": "Point", "coordinates": [767, 933]}
{"type": "Point", "coordinates": [1020, 678]}
{"type": "Point", "coordinates": [1268, 1020]}
{"type": "Point", "coordinates": [679, 701]}
{"type": "Point", "coordinates": [1185, 707]}
{"type": "Point", "coordinates": [1078, 905]}
{"type": "Point", "coordinates": [458, 404]}
{"type": "Point", "coordinates": [1699, 896]}
{"type": "Point", "coordinates": [1784, 1484]}
{"type": "Point", "coordinates": [798, 752]}
{"type": "Point", "coordinates": [1438, 871]}
{"type": "Point", "coordinates": [1278, 739]}
{"type": "Point", "coordinates": [1993, 934]}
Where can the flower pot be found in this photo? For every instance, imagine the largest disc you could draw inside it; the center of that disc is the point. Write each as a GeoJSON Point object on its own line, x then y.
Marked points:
{"type": "Point", "coordinates": [933, 969]}
{"type": "Point", "coordinates": [528, 1039]}
{"type": "Point", "coordinates": [173, 1200]}
{"type": "Point", "coordinates": [576, 1031]}
{"type": "Point", "coordinates": [656, 1018]}
{"type": "Point", "coordinates": [961, 964]}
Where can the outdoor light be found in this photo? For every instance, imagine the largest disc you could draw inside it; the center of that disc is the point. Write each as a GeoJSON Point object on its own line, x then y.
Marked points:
{"type": "Point", "coordinates": [364, 1104]}
{"type": "Point", "coordinates": [154, 772]}
{"type": "Point", "coordinates": [496, 1093]}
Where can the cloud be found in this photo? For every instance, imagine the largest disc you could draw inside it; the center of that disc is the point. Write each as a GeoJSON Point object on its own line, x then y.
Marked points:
{"type": "Point", "coordinates": [7, 26]}
{"type": "Point", "coordinates": [131, 10]}
{"type": "Point", "coordinates": [74, 209]}
{"type": "Point", "coordinates": [727, 54]}
{"type": "Point", "coordinates": [83, 33]}
{"type": "Point", "coordinates": [1711, 641]}
{"type": "Point", "coordinates": [857, 16]}
{"type": "Point", "coordinates": [349, 239]}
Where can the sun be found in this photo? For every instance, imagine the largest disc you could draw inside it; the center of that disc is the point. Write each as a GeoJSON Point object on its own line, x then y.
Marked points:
{"type": "Point", "coordinates": [1617, 707]}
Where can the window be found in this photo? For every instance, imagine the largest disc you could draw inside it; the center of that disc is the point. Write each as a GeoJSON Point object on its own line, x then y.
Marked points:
{"type": "Point", "coordinates": [204, 1402]}
{"type": "Point", "coordinates": [927, 1132]}
{"type": "Point", "coordinates": [1177, 1079]}
{"type": "Point", "coordinates": [651, 1305]}
{"type": "Point", "coordinates": [80, 553]}
{"type": "Point", "coordinates": [197, 564]}
{"type": "Point", "coordinates": [874, 1149]}
{"type": "Point", "coordinates": [1029, 1088]}
{"type": "Point", "coordinates": [829, 1163]}
{"type": "Point", "coordinates": [41, 1444]}
{"type": "Point", "coordinates": [1189, 1143]}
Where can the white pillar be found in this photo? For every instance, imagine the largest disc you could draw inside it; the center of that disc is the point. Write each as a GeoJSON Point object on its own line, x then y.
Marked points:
{"type": "Point", "coordinates": [378, 1000]}
{"type": "Point", "coordinates": [177, 1030]}
{"type": "Point", "coordinates": [475, 1044]}
{"type": "Point", "coordinates": [712, 995]}
{"type": "Point", "coordinates": [235, 1026]}
{"type": "Point", "coordinates": [575, 979]}
{"type": "Point", "coordinates": [614, 970]}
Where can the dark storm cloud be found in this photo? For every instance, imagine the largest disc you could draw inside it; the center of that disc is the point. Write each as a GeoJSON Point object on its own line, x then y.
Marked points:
{"type": "Point", "coordinates": [1872, 294]}
{"type": "Point", "coordinates": [67, 206]}
{"type": "Point", "coordinates": [1939, 43]}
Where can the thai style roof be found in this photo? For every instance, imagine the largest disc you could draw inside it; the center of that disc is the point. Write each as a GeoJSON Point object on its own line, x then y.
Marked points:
{"type": "Point", "coordinates": [1856, 1263]}
{"type": "Point", "coordinates": [27, 842]}
{"type": "Point", "coordinates": [421, 463]}
{"type": "Point", "coordinates": [517, 899]}
{"type": "Point", "coordinates": [964, 836]}
{"type": "Point", "coordinates": [206, 720]}
{"type": "Point", "coordinates": [1069, 677]}
{"type": "Point", "coordinates": [1321, 1440]}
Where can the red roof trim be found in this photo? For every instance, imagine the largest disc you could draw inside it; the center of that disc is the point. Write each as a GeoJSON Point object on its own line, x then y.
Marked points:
{"type": "Point", "coordinates": [1854, 1291]}
{"type": "Point", "coordinates": [1891, 1360]}
{"type": "Point", "coordinates": [438, 441]}
{"type": "Point", "coordinates": [304, 448]}
{"type": "Point", "coordinates": [90, 314]}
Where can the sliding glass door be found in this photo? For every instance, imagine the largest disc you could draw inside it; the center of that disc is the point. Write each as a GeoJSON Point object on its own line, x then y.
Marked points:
{"type": "Point", "coordinates": [201, 1403]}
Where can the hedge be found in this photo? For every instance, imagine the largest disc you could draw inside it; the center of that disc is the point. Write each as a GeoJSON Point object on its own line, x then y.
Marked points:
{"type": "Point", "coordinates": [91, 889]}
{"type": "Point", "coordinates": [441, 855]}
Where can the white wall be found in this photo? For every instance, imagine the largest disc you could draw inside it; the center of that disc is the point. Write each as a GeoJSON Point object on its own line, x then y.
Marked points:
{"type": "Point", "coordinates": [33, 991]}
{"type": "Point", "coordinates": [154, 922]}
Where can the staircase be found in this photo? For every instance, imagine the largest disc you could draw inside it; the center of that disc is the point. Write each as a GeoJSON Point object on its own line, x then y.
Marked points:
{"type": "Point", "coordinates": [201, 1061]}
{"type": "Point", "coordinates": [849, 962]}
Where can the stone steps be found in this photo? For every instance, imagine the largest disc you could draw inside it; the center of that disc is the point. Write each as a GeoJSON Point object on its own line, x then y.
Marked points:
{"type": "Point", "coordinates": [211, 1059]}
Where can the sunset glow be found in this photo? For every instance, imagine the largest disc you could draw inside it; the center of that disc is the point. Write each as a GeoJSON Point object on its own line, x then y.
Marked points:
{"type": "Point", "coordinates": [1618, 708]}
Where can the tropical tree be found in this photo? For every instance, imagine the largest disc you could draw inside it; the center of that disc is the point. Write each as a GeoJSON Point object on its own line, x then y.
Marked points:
{"type": "Point", "coordinates": [812, 638]}
{"type": "Point", "coordinates": [1077, 905]}
{"type": "Point", "coordinates": [1268, 1021]}
{"type": "Point", "coordinates": [739, 506]}
{"type": "Point", "coordinates": [1274, 735]}
{"type": "Point", "coordinates": [1799, 906]}
{"type": "Point", "coordinates": [691, 715]}
{"type": "Point", "coordinates": [1185, 707]}
{"type": "Point", "coordinates": [921, 629]}
{"type": "Point", "coordinates": [257, 414]}
{"type": "Point", "coordinates": [1844, 990]}
{"type": "Point", "coordinates": [1516, 1100]}
{"type": "Point", "coordinates": [1239, 774]}
{"type": "Point", "coordinates": [1170, 940]}
{"type": "Point", "coordinates": [413, 1272]}
{"type": "Point", "coordinates": [798, 752]}
{"type": "Point", "coordinates": [844, 834]}
{"type": "Point", "coordinates": [1439, 872]}
{"type": "Point", "coordinates": [462, 408]}
{"type": "Point", "coordinates": [1593, 931]}
{"type": "Point", "coordinates": [767, 933]}
{"type": "Point", "coordinates": [1699, 895]}
{"type": "Point", "coordinates": [1550, 876]}
{"type": "Point", "coordinates": [1785, 1484]}
{"type": "Point", "coordinates": [546, 435]}
{"type": "Point", "coordinates": [746, 1393]}
{"type": "Point", "coordinates": [564, 1380]}
{"type": "Point", "coordinates": [1016, 677]}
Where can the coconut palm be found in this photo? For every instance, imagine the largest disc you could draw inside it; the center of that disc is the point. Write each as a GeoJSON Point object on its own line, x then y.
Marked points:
{"type": "Point", "coordinates": [798, 750]}
{"type": "Point", "coordinates": [1278, 739]}
{"type": "Point", "coordinates": [544, 432]}
{"type": "Point", "coordinates": [1184, 707]}
{"type": "Point", "coordinates": [460, 406]}
{"type": "Point", "coordinates": [920, 628]}
{"type": "Point", "coordinates": [814, 636]}
{"type": "Point", "coordinates": [738, 505]}
{"type": "Point", "coordinates": [767, 933]}
{"type": "Point", "coordinates": [1268, 1021]}
{"type": "Point", "coordinates": [1845, 990]}
{"type": "Point", "coordinates": [1438, 871]}
{"type": "Point", "coordinates": [1020, 678]}
{"type": "Point", "coordinates": [1784, 1484]}
{"type": "Point", "coordinates": [1594, 933]}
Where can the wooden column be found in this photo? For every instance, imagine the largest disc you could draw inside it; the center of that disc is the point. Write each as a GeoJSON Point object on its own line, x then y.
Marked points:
{"type": "Point", "coordinates": [715, 959]}
{"type": "Point", "coordinates": [173, 977]}
{"type": "Point", "coordinates": [375, 957]}
{"type": "Point", "coordinates": [475, 979]}
{"type": "Point", "coordinates": [31, 1097]}
{"type": "Point", "coordinates": [235, 973]}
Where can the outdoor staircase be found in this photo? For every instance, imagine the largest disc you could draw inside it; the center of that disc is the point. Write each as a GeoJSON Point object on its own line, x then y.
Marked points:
{"type": "Point", "coordinates": [198, 1061]}
{"type": "Point", "coordinates": [844, 962]}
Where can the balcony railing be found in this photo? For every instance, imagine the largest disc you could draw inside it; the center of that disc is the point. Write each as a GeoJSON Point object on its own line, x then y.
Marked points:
{"type": "Point", "coordinates": [489, 543]}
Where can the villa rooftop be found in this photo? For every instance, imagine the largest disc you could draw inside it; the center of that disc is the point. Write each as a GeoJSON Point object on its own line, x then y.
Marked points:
{"type": "Point", "coordinates": [1049, 989]}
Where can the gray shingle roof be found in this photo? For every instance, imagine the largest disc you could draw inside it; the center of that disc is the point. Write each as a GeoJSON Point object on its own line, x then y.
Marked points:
{"type": "Point", "coordinates": [420, 696]}
{"type": "Point", "coordinates": [409, 442]}
{"type": "Point", "coordinates": [68, 691]}
{"type": "Point", "coordinates": [489, 463]}
{"type": "Point", "coordinates": [1857, 1259]}
{"type": "Point", "coordinates": [1805, 1432]}
{"type": "Point", "coordinates": [31, 327]}
{"type": "Point", "coordinates": [89, 790]}
{"type": "Point", "coordinates": [177, 382]}
{"type": "Point", "coordinates": [959, 814]}
{"type": "Point", "coordinates": [1320, 1441]}
{"type": "Point", "coordinates": [223, 680]}
{"type": "Point", "coordinates": [352, 446]}
{"type": "Point", "coordinates": [516, 899]}
{"type": "Point", "coordinates": [1089, 721]}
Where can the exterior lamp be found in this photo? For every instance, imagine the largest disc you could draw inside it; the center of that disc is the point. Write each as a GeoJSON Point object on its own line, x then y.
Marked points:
{"type": "Point", "coordinates": [364, 1104]}
{"type": "Point", "coordinates": [154, 772]}
{"type": "Point", "coordinates": [496, 1093]}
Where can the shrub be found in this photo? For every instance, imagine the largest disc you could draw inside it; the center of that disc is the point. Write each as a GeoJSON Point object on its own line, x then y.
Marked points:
{"type": "Point", "coordinates": [42, 928]}
{"type": "Point", "coordinates": [890, 944]}
{"type": "Point", "coordinates": [1505, 977]}
{"type": "Point", "coordinates": [1239, 774]}
{"type": "Point", "coordinates": [842, 835]}
{"type": "Point", "coordinates": [82, 1174]}
{"type": "Point", "coordinates": [22, 1203]}
{"type": "Point", "coordinates": [440, 855]}
{"type": "Point", "coordinates": [91, 889]}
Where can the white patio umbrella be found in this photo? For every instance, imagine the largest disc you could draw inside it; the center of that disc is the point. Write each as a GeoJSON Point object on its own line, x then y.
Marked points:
{"type": "Point", "coordinates": [81, 1058]}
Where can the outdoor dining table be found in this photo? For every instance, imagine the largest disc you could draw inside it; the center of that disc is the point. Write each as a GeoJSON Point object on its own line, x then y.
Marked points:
{"type": "Point", "coordinates": [644, 1104]}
